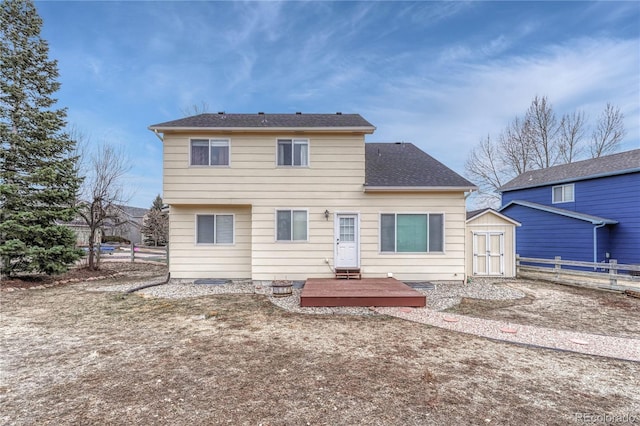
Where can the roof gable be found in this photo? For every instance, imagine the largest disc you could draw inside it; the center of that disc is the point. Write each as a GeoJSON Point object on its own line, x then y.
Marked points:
{"type": "Point", "coordinates": [403, 165]}
{"type": "Point", "coordinates": [267, 121]}
{"type": "Point", "coordinates": [620, 163]}
{"type": "Point", "coordinates": [476, 214]}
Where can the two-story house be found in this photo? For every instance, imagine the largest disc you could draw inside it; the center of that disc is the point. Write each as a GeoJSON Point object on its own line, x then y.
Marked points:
{"type": "Point", "coordinates": [586, 211]}
{"type": "Point", "coordinates": [293, 196]}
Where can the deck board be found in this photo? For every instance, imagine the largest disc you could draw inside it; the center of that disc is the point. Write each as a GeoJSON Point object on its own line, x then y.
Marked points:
{"type": "Point", "coordinates": [365, 292]}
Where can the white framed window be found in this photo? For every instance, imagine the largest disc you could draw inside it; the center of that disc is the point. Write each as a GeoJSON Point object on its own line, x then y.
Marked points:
{"type": "Point", "coordinates": [215, 229]}
{"type": "Point", "coordinates": [293, 152]}
{"type": "Point", "coordinates": [210, 152]}
{"type": "Point", "coordinates": [563, 193]}
{"type": "Point", "coordinates": [292, 225]}
{"type": "Point", "coordinates": [412, 232]}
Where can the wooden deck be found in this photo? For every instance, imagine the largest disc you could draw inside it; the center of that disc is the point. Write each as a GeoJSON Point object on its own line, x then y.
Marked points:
{"type": "Point", "coordinates": [365, 292]}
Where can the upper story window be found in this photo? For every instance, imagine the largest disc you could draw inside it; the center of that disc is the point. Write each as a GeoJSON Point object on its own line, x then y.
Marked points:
{"type": "Point", "coordinates": [563, 193]}
{"type": "Point", "coordinates": [210, 152]}
{"type": "Point", "coordinates": [293, 152]}
{"type": "Point", "coordinates": [412, 233]}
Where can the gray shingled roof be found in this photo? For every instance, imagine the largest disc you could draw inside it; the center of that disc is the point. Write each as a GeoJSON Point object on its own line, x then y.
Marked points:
{"type": "Point", "coordinates": [623, 162]}
{"type": "Point", "coordinates": [404, 164]}
{"type": "Point", "coordinates": [268, 120]}
{"type": "Point", "coordinates": [596, 220]}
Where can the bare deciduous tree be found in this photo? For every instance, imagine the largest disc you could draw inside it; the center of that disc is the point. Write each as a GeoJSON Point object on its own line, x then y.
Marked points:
{"type": "Point", "coordinates": [572, 130]}
{"type": "Point", "coordinates": [538, 141]}
{"type": "Point", "coordinates": [102, 191]}
{"type": "Point", "coordinates": [484, 166]}
{"type": "Point", "coordinates": [515, 147]}
{"type": "Point", "coordinates": [543, 125]}
{"type": "Point", "coordinates": [608, 132]}
{"type": "Point", "coordinates": [196, 109]}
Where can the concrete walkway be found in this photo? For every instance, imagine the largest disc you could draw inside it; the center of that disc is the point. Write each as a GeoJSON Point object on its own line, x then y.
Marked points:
{"type": "Point", "coordinates": [585, 343]}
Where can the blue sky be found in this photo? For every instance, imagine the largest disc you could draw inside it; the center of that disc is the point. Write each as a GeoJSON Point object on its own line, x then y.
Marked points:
{"type": "Point", "coordinates": [440, 75]}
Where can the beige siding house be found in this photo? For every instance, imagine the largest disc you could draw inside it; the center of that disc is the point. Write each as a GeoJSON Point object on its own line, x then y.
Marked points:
{"type": "Point", "coordinates": [293, 196]}
{"type": "Point", "coordinates": [491, 244]}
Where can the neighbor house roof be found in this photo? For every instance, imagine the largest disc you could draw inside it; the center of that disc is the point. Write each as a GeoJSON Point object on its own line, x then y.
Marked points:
{"type": "Point", "coordinates": [400, 165]}
{"type": "Point", "coordinates": [595, 220]}
{"type": "Point", "coordinates": [615, 164]}
{"type": "Point", "coordinates": [299, 121]}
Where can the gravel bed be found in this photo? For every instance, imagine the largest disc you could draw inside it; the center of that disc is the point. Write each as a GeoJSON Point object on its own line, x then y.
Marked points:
{"type": "Point", "coordinates": [441, 297]}
{"type": "Point", "coordinates": [445, 296]}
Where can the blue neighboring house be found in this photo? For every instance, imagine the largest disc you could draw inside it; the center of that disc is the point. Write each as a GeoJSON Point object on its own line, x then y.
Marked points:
{"type": "Point", "coordinates": [587, 211]}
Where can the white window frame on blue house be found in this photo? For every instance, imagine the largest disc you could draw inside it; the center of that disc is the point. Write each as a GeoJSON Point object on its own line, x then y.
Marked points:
{"type": "Point", "coordinates": [563, 193]}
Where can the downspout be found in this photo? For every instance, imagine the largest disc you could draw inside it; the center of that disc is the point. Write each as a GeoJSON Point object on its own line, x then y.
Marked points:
{"type": "Point", "coordinates": [595, 244]}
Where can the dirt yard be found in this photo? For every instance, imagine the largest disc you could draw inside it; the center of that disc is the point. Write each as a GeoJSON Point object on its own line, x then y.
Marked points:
{"type": "Point", "coordinates": [74, 356]}
{"type": "Point", "coordinates": [564, 307]}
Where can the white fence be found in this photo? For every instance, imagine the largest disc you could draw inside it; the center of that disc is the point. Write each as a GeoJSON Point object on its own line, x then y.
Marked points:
{"type": "Point", "coordinates": [604, 275]}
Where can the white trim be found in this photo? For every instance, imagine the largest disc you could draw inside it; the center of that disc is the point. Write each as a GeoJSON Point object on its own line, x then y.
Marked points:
{"type": "Point", "coordinates": [209, 139]}
{"type": "Point", "coordinates": [336, 231]}
{"type": "Point", "coordinates": [501, 216]}
{"type": "Point", "coordinates": [419, 188]}
{"type": "Point", "coordinates": [275, 223]}
{"type": "Point", "coordinates": [396, 252]}
{"type": "Point", "coordinates": [293, 141]}
{"type": "Point", "coordinates": [214, 214]}
{"type": "Point", "coordinates": [356, 129]}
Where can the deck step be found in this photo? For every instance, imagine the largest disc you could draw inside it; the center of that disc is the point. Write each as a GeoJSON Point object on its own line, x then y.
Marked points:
{"type": "Point", "coordinates": [348, 274]}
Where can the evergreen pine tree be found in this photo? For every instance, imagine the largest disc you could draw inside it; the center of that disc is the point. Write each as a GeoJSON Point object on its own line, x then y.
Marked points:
{"type": "Point", "coordinates": [38, 170]}
{"type": "Point", "coordinates": [156, 224]}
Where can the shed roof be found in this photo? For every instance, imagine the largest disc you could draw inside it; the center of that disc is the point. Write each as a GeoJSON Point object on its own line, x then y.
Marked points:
{"type": "Point", "coordinates": [267, 121]}
{"type": "Point", "coordinates": [595, 220]}
{"type": "Point", "coordinates": [609, 165]}
{"type": "Point", "coordinates": [474, 214]}
{"type": "Point", "coordinates": [403, 165]}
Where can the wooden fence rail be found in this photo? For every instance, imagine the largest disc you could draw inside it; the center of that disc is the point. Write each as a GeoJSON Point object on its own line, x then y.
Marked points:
{"type": "Point", "coordinates": [132, 253]}
{"type": "Point", "coordinates": [608, 275]}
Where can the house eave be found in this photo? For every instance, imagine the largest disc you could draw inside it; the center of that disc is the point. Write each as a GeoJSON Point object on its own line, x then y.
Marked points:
{"type": "Point", "coordinates": [594, 220]}
{"type": "Point", "coordinates": [357, 130]}
{"type": "Point", "coordinates": [368, 188]}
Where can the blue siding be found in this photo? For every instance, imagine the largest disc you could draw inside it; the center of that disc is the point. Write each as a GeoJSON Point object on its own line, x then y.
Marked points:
{"type": "Point", "coordinates": [614, 197]}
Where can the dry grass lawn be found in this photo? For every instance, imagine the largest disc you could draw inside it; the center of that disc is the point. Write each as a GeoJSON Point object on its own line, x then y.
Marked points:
{"type": "Point", "coordinates": [74, 356]}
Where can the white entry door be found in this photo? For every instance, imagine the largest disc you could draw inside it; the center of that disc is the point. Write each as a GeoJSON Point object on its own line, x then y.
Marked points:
{"type": "Point", "coordinates": [346, 241]}
{"type": "Point", "coordinates": [488, 253]}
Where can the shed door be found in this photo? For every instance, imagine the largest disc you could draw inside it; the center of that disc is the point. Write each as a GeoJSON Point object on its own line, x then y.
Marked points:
{"type": "Point", "coordinates": [488, 253]}
{"type": "Point", "coordinates": [346, 234]}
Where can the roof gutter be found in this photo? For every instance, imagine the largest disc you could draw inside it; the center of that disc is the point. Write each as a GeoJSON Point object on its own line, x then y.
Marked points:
{"type": "Point", "coordinates": [365, 129]}
{"type": "Point", "coordinates": [420, 189]}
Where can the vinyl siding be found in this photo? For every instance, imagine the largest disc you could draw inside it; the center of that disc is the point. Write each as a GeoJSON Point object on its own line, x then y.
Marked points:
{"type": "Point", "coordinates": [190, 260]}
{"type": "Point", "coordinates": [253, 187]}
{"type": "Point", "coordinates": [613, 197]}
